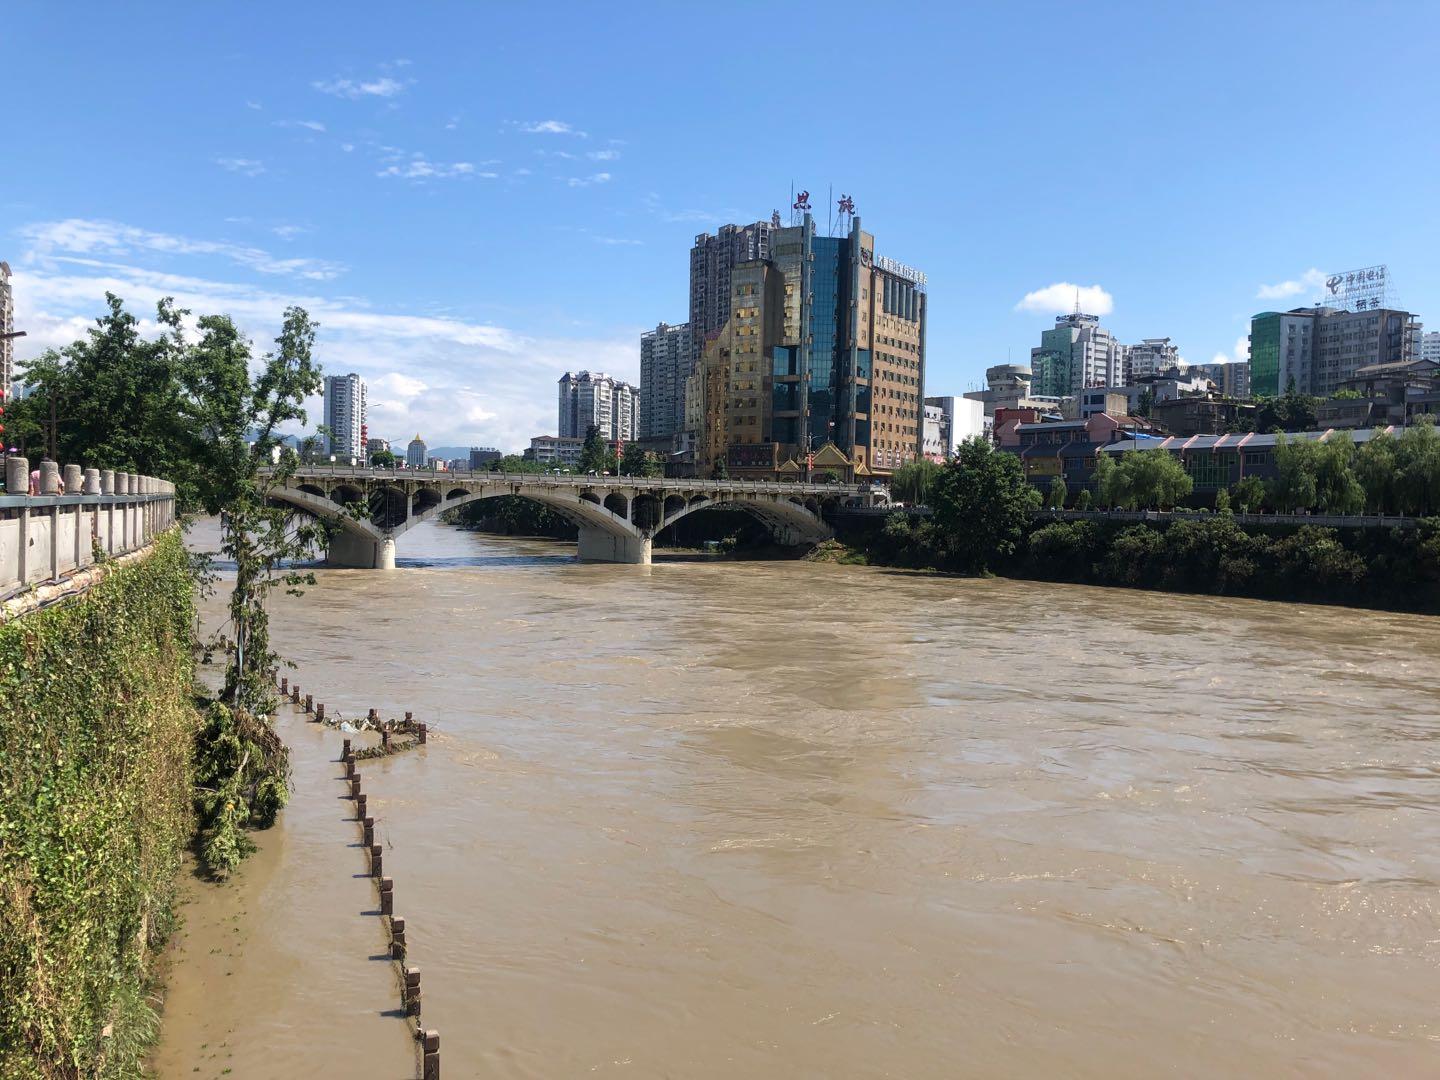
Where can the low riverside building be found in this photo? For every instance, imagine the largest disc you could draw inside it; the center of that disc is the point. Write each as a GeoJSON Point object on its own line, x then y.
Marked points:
{"type": "Point", "coordinates": [1067, 448]}
{"type": "Point", "coordinates": [1381, 394]}
{"type": "Point", "coordinates": [1202, 414]}
{"type": "Point", "coordinates": [1219, 462]}
{"type": "Point", "coordinates": [555, 450]}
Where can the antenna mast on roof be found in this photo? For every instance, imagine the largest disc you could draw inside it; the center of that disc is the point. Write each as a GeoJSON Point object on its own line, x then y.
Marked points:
{"type": "Point", "coordinates": [1077, 299]}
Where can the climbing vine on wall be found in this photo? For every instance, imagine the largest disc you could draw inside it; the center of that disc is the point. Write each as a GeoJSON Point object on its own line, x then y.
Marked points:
{"type": "Point", "coordinates": [97, 720]}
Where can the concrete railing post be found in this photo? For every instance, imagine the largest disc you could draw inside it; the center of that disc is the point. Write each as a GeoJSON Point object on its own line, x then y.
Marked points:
{"type": "Point", "coordinates": [49, 478]}
{"type": "Point", "coordinates": [91, 483]}
{"type": "Point", "coordinates": [74, 476]}
{"type": "Point", "coordinates": [17, 476]}
{"type": "Point", "coordinates": [107, 481]}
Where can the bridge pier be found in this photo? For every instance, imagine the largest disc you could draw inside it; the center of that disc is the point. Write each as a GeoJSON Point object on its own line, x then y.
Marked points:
{"type": "Point", "coordinates": [352, 550]}
{"type": "Point", "coordinates": [600, 545]}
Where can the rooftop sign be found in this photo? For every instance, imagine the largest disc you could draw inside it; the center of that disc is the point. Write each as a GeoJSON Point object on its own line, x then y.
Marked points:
{"type": "Point", "coordinates": [1358, 290]}
{"type": "Point", "coordinates": [899, 269]}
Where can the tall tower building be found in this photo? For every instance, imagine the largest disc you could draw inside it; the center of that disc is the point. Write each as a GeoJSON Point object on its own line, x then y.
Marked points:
{"type": "Point", "coordinates": [1078, 352]}
{"type": "Point", "coordinates": [7, 327]}
{"type": "Point", "coordinates": [1318, 348]}
{"type": "Point", "coordinates": [825, 345]}
{"type": "Point", "coordinates": [712, 259]}
{"type": "Point", "coordinates": [665, 362]}
{"type": "Point", "coordinates": [345, 416]}
{"type": "Point", "coordinates": [415, 453]}
{"type": "Point", "coordinates": [594, 399]}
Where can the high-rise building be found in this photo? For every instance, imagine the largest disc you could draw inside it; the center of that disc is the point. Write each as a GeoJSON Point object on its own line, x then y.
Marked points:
{"type": "Point", "coordinates": [1231, 378]}
{"type": "Point", "coordinates": [825, 345]}
{"type": "Point", "coordinates": [712, 259]}
{"type": "Point", "coordinates": [1316, 349]}
{"type": "Point", "coordinates": [1153, 356]}
{"type": "Point", "coordinates": [345, 416]}
{"type": "Point", "coordinates": [665, 362]}
{"type": "Point", "coordinates": [482, 456]}
{"type": "Point", "coordinates": [1430, 346]}
{"type": "Point", "coordinates": [595, 399]}
{"type": "Point", "coordinates": [415, 453]}
{"type": "Point", "coordinates": [1078, 352]}
{"type": "Point", "coordinates": [7, 327]}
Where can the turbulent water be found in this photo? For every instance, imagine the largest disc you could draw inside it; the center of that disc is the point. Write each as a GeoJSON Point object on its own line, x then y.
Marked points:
{"type": "Point", "coordinates": [792, 820]}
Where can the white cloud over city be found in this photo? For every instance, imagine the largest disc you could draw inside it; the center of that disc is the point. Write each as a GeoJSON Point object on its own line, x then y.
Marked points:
{"type": "Point", "coordinates": [1312, 281]}
{"type": "Point", "coordinates": [1062, 296]}
{"type": "Point", "coordinates": [456, 381]}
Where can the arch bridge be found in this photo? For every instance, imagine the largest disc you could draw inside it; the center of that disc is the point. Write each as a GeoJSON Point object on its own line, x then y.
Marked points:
{"type": "Point", "coordinates": [617, 516]}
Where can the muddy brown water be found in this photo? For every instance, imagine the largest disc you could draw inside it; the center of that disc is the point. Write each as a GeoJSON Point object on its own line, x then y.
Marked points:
{"type": "Point", "coordinates": [790, 820]}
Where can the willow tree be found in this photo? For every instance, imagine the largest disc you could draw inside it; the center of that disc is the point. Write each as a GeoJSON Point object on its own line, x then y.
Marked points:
{"type": "Point", "coordinates": [242, 766]}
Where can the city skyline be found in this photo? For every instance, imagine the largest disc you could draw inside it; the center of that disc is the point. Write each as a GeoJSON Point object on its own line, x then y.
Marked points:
{"type": "Point", "coordinates": [465, 233]}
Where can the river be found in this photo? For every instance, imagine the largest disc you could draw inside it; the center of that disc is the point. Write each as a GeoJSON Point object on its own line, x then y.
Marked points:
{"type": "Point", "coordinates": [728, 819]}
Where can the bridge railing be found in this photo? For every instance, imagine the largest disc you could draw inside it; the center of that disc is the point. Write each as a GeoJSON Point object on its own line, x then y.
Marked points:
{"type": "Point", "coordinates": [78, 513]}
{"type": "Point", "coordinates": [572, 480]}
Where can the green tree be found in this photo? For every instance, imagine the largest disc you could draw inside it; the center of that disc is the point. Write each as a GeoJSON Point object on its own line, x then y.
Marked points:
{"type": "Point", "coordinates": [115, 398]}
{"type": "Point", "coordinates": [1293, 487]}
{"type": "Point", "coordinates": [982, 504]}
{"type": "Point", "coordinates": [1145, 405]}
{"type": "Point", "coordinates": [1376, 469]}
{"type": "Point", "coordinates": [1150, 478]}
{"type": "Point", "coordinates": [384, 459]}
{"type": "Point", "coordinates": [1222, 502]}
{"type": "Point", "coordinates": [1291, 411]}
{"type": "Point", "coordinates": [721, 470]}
{"type": "Point", "coordinates": [595, 455]}
{"type": "Point", "coordinates": [1417, 460]}
{"type": "Point", "coordinates": [912, 482]}
{"type": "Point", "coordinates": [1059, 493]}
{"type": "Point", "coordinates": [1337, 490]}
{"type": "Point", "coordinates": [1083, 499]}
{"type": "Point", "coordinates": [1249, 494]}
{"type": "Point", "coordinates": [1104, 480]}
{"type": "Point", "coordinates": [636, 461]}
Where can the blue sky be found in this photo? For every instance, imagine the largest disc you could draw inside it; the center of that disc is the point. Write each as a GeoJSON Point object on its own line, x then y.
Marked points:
{"type": "Point", "coordinates": [472, 198]}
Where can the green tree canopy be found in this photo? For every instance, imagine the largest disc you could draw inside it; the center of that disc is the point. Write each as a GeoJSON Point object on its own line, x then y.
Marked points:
{"type": "Point", "coordinates": [982, 504]}
{"type": "Point", "coordinates": [1146, 479]}
{"type": "Point", "coordinates": [637, 461]}
{"type": "Point", "coordinates": [913, 481]}
{"type": "Point", "coordinates": [595, 454]}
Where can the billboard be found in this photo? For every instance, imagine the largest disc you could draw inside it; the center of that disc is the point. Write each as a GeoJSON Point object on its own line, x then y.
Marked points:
{"type": "Point", "coordinates": [1358, 290]}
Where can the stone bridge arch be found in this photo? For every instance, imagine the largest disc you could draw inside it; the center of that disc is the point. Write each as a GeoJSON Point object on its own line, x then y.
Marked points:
{"type": "Point", "coordinates": [615, 518]}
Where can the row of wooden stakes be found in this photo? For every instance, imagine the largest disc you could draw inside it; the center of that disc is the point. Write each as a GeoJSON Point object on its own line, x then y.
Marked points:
{"type": "Point", "coordinates": [409, 975]}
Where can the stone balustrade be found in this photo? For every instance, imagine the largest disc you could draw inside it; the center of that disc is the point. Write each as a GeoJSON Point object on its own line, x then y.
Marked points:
{"type": "Point", "coordinates": [78, 514]}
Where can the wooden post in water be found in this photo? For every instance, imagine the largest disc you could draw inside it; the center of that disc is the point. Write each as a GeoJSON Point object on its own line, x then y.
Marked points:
{"type": "Point", "coordinates": [376, 866]}
{"type": "Point", "coordinates": [420, 731]}
{"type": "Point", "coordinates": [412, 991]}
{"type": "Point", "coordinates": [387, 896]}
{"type": "Point", "coordinates": [360, 808]}
{"type": "Point", "coordinates": [345, 752]}
{"type": "Point", "coordinates": [285, 685]}
{"type": "Point", "coordinates": [374, 716]}
{"type": "Point", "coordinates": [397, 938]}
{"type": "Point", "coordinates": [320, 712]}
{"type": "Point", "coordinates": [369, 825]}
{"type": "Point", "coordinates": [431, 1059]}
{"type": "Point", "coordinates": [309, 703]}
{"type": "Point", "coordinates": [295, 694]}
{"type": "Point", "coordinates": [355, 786]}
{"type": "Point", "coordinates": [385, 740]}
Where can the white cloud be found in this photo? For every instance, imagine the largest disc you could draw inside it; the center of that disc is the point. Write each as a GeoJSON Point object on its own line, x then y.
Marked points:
{"type": "Point", "coordinates": [313, 125]}
{"type": "Point", "coordinates": [66, 241]}
{"type": "Point", "coordinates": [1312, 281]}
{"type": "Point", "coordinates": [586, 181]}
{"type": "Point", "coordinates": [1240, 352]}
{"type": "Point", "coordinates": [603, 155]}
{"type": "Point", "coordinates": [347, 147]}
{"type": "Point", "coordinates": [618, 241]}
{"type": "Point", "coordinates": [420, 168]}
{"type": "Point", "coordinates": [382, 86]}
{"type": "Point", "coordinates": [1061, 297]}
{"type": "Point", "coordinates": [243, 166]}
{"type": "Point", "coordinates": [552, 127]}
{"type": "Point", "coordinates": [253, 105]}
{"type": "Point", "coordinates": [456, 381]}
{"type": "Point", "coordinates": [289, 232]}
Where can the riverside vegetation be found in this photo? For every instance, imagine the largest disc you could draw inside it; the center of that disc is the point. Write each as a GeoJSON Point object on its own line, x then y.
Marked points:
{"type": "Point", "coordinates": [115, 758]}
{"type": "Point", "coordinates": [983, 522]}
